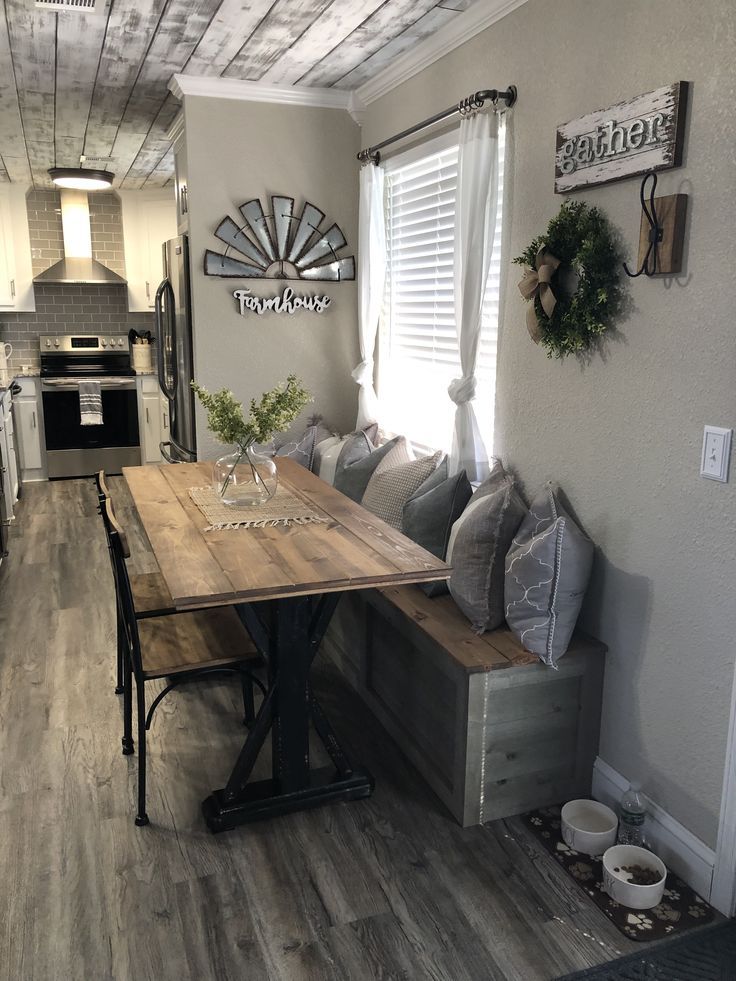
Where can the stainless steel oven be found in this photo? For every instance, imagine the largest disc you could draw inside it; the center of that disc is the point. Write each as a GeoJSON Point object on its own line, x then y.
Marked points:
{"type": "Point", "coordinates": [74, 450]}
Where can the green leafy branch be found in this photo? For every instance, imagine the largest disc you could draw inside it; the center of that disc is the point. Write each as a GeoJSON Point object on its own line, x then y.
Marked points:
{"type": "Point", "coordinates": [275, 411]}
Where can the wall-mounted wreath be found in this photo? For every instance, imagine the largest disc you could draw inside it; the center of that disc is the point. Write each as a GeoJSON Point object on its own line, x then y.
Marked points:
{"type": "Point", "coordinates": [571, 280]}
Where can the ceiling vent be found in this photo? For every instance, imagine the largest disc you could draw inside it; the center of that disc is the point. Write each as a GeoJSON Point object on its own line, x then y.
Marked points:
{"type": "Point", "coordinates": [81, 5]}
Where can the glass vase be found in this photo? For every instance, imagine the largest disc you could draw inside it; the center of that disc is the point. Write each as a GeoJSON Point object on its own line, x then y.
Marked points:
{"type": "Point", "coordinates": [247, 478]}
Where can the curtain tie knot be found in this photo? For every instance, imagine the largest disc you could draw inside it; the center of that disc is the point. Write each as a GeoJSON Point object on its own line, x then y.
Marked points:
{"type": "Point", "coordinates": [363, 374]}
{"type": "Point", "coordinates": [462, 390]}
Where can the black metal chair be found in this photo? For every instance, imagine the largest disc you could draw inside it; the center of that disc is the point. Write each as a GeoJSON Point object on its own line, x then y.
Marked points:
{"type": "Point", "coordinates": [152, 598]}
{"type": "Point", "coordinates": [179, 648]}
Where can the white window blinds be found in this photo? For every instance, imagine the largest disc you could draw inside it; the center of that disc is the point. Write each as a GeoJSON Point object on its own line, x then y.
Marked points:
{"type": "Point", "coordinates": [418, 353]}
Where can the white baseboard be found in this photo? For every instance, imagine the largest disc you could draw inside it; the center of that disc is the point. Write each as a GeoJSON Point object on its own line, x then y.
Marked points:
{"type": "Point", "coordinates": [678, 848]}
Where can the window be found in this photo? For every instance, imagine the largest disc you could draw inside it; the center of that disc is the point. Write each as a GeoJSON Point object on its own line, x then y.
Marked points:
{"type": "Point", "coordinates": [418, 349]}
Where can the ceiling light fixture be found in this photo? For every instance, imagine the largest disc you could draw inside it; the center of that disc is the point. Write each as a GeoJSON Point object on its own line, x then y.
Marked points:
{"type": "Point", "coordinates": [81, 179]}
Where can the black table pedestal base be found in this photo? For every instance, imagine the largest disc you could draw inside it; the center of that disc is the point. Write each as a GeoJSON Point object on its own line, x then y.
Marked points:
{"type": "Point", "coordinates": [287, 634]}
{"type": "Point", "coordinates": [259, 800]}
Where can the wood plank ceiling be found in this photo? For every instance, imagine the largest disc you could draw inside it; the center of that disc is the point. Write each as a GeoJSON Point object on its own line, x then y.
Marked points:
{"type": "Point", "coordinates": [94, 83]}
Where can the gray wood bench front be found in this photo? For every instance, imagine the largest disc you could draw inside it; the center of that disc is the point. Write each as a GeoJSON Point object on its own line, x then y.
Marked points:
{"type": "Point", "coordinates": [492, 730]}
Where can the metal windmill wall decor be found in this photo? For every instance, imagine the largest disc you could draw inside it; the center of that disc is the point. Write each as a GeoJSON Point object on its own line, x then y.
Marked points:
{"type": "Point", "coordinates": [280, 245]}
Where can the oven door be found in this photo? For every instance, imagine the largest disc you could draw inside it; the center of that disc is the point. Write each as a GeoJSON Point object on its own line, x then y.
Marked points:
{"type": "Point", "coordinates": [74, 450]}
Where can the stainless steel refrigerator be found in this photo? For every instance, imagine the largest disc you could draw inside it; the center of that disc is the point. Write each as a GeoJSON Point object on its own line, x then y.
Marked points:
{"type": "Point", "coordinates": [175, 361]}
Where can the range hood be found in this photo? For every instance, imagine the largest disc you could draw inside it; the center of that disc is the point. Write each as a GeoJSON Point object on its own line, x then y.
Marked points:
{"type": "Point", "coordinates": [78, 267]}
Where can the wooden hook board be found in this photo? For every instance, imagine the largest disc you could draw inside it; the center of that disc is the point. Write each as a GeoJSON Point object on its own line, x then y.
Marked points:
{"type": "Point", "coordinates": [671, 215]}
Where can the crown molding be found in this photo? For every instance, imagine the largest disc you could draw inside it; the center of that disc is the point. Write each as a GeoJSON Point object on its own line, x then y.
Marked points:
{"type": "Point", "coordinates": [244, 91]}
{"type": "Point", "coordinates": [459, 30]}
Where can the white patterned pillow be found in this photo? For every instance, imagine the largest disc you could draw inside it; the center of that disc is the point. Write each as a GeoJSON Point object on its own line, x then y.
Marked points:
{"type": "Point", "coordinates": [547, 572]}
{"type": "Point", "coordinates": [394, 481]}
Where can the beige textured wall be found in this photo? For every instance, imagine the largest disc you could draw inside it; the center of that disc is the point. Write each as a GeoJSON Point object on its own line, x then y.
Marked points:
{"type": "Point", "coordinates": [622, 434]}
{"type": "Point", "coordinates": [242, 150]}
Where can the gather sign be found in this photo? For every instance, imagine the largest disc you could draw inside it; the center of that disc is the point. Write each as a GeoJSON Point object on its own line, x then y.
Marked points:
{"type": "Point", "coordinates": [646, 133]}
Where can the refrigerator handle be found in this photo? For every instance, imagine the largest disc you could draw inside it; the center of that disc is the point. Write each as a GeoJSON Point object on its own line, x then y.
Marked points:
{"type": "Point", "coordinates": [165, 290]}
{"type": "Point", "coordinates": [164, 451]}
{"type": "Point", "coordinates": [184, 455]}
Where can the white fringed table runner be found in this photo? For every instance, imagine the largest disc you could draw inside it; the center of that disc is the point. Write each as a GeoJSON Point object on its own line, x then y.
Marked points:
{"type": "Point", "coordinates": [283, 509]}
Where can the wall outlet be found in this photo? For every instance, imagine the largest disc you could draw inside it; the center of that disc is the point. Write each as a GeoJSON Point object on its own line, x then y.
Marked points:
{"type": "Point", "coordinates": [716, 453]}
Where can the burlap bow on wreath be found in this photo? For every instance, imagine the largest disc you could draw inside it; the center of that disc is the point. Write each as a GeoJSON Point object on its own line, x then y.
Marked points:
{"type": "Point", "coordinates": [536, 282]}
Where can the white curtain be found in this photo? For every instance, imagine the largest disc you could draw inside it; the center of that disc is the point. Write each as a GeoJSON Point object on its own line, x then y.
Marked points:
{"type": "Point", "coordinates": [475, 225]}
{"type": "Point", "coordinates": [371, 282]}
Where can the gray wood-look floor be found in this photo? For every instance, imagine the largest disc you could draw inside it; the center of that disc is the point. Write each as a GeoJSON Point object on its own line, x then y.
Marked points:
{"type": "Point", "coordinates": [385, 888]}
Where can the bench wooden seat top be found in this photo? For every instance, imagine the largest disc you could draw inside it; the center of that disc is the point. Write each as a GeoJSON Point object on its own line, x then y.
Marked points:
{"type": "Point", "coordinates": [442, 620]}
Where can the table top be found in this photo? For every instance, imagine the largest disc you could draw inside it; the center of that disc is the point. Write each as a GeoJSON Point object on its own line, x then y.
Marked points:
{"type": "Point", "coordinates": [353, 549]}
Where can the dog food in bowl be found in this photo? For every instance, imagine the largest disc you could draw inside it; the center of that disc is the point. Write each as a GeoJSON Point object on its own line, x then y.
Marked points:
{"type": "Point", "coordinates": [588, 826]}
{"type": "Point", "coordinates": [633, 876]}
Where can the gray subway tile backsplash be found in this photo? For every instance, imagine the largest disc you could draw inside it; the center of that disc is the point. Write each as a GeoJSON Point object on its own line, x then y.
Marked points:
{"type": "Point", "coordinates": [71, 309]}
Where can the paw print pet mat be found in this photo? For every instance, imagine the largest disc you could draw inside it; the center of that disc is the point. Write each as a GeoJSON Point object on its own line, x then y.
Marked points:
{"type": "Point", "coordinates": [681, 908]}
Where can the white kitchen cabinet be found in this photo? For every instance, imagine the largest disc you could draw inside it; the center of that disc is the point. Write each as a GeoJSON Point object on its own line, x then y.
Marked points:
{"type": "Point", "coordinates": [163, 407]}
{"type": "Point", "coordinates": [8, 473]}
{"type": "Point", "coordinates": [150, 429]}
{"type": "Point", "coordinates": [149, 418]}
{"type": "Point", "coordinates": [16, 270]}
{"type": "Point", "coordinates": [11, 463]}
{"type": "Point", "coordinates": [149, 220]}
{"type": "Point", "coordinates": [29, 429]}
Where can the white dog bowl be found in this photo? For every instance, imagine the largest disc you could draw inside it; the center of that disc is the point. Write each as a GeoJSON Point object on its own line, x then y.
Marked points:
{"type": "Point", "coordinates": [617, 884]}
{"type": "Point", "coordinates": [588, 826]}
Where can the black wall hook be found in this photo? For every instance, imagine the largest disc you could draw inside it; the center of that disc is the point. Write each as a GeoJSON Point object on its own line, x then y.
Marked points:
{"type": "Point", "coordinates": [656, 231]}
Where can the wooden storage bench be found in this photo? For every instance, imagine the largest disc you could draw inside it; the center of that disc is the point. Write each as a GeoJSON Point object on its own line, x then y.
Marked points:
{"type": "Point", "coordinates": [491, 729]}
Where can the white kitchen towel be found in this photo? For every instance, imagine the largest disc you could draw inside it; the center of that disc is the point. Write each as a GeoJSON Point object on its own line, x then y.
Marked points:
{"type": "Point", "coordinates": [90, 403]}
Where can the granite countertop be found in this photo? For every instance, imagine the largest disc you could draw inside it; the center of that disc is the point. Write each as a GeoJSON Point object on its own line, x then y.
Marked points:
{"type": "Point", "coordinates": [19, 378]}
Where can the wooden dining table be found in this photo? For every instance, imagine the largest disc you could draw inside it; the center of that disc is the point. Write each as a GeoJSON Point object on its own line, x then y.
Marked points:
{"type": "Point", "coordinates": [285, 583]}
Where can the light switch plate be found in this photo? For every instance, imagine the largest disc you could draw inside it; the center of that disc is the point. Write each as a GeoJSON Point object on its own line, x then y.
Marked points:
{"type": "Point", "coordinates": [716, 453]}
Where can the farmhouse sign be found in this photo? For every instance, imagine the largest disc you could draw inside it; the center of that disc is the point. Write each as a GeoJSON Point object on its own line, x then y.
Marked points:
{"type": "Point", "coordinates": [287, 302]}
{"type": "Point", "coordinates": [643, 134]}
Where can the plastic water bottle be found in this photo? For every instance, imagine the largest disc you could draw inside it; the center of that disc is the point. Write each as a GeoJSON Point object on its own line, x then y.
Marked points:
{"type": "Point", "coordinates": [632, 818]}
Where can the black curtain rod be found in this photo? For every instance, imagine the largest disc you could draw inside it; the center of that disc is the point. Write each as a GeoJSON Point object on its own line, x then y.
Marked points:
{"type": "Point", "coordinates": [474, 101]}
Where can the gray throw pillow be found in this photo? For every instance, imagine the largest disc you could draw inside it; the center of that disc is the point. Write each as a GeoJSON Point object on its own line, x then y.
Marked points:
{"type": "Point", "coordinates": [547, 572]}
{"type": "Point", "coordinates": [430, 513]}
{"type": "Point", "coordinates": [352, 476]}
{"type": "Point", "coordinates": [357, 447]}
{"type": "Point", "coordinates": [479, 540]}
